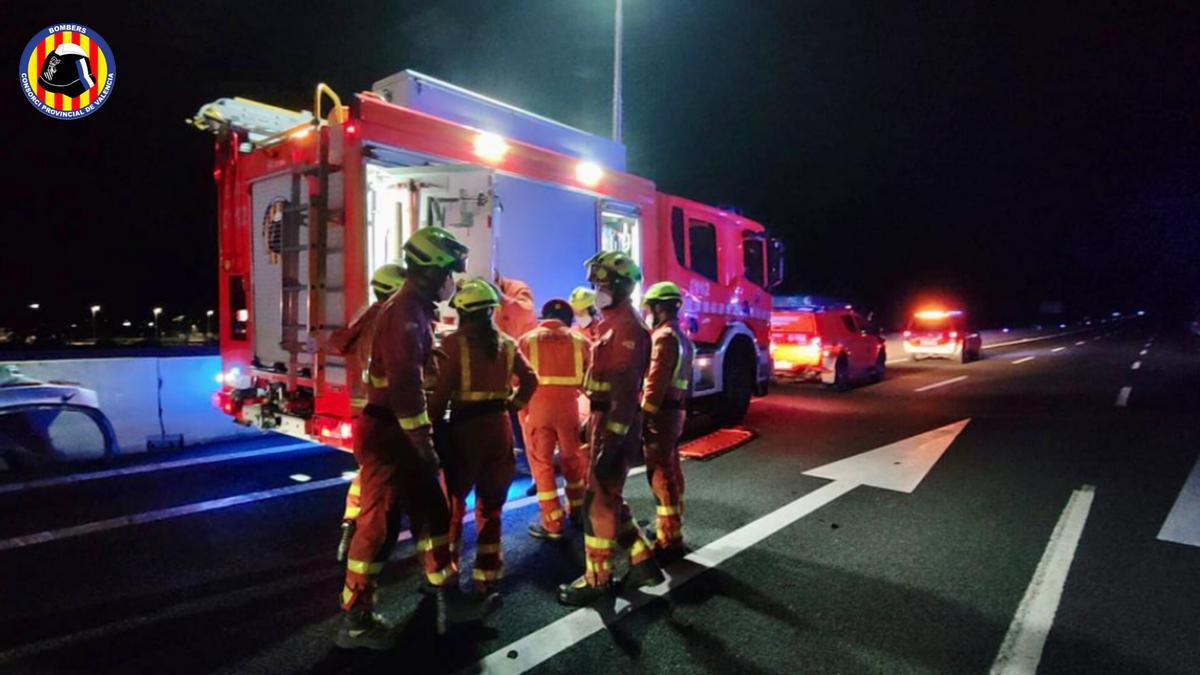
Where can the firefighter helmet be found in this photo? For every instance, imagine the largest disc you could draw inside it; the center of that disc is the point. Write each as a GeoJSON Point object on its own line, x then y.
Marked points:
{"type": "Point", "coordinates": [582, 298]}
{"type": "Point", "coordinates": [612, 266]}
{"type": "Point", "coordinates": [474, 295]}
{"type": "Point", "coordinates": [559, 310]}
{"type": "Point", "coordinates": [435, 247]}
{"type": "Point", "coordinates": [663, 291]}
{"type": "Point", "coordinates": [67, 70]}
{"type": "Point", "coordinates": [388, 278]}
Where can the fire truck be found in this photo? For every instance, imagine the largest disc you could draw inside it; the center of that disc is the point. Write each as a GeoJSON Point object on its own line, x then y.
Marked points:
{"type": "Point", "coordinates": [310, 202]}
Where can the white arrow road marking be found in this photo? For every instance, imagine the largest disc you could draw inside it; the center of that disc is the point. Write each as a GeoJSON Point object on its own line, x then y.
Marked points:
{"type": "Point", "coordinates": [1136, 365]}
{"type": "Point", "coordinates": [1022, 647]}
{"type": "Point", "coordinates": [1182, 525]}
{"type": "Point", "coordinates": [1027, 359]}
{"type": "Point", "coordinates": [1123, 396]}
{"type": "Point", "coordinates": [943, 383]}
{"type": "Point", "coordinates": [916, 456]}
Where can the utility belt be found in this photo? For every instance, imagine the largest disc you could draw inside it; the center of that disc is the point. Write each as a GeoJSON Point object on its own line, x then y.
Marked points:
{"type": "Point", "coordinates": [465, 412]}
{"type": "Point", "coordinates": [379, 412]}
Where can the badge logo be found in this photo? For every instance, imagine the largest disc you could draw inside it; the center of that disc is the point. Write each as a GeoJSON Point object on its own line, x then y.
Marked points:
{"type": "Point", "coordinates": [67, 71]}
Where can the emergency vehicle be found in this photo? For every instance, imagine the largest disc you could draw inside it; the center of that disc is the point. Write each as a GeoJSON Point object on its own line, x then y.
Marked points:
{"type": "Point", "coordinates": [311, 202]}
{"type": "Point", "coordinates": [822, 339]}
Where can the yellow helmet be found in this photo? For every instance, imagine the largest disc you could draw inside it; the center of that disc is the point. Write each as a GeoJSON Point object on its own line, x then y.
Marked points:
{"type": "Point", "coordinates": [582, 298]}
{"type": "Point", "coordinates": [609, 266]}
{"type": "Point", "coordinates": [663, 291]}
{"type": "Point", "coordinates": [435, 247]}
{"type": "Point", "coordinates": [388, 279]}
{"type": "Point", "coordinates": [475, 295]}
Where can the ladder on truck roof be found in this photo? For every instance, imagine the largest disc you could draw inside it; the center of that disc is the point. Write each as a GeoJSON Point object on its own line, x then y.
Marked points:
{"type": "Point", "coordinates": [264, 124]}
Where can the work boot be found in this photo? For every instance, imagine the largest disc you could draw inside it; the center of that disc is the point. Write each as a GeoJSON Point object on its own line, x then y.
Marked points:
{"type": "Point", "coordinates": [538, 532]}
{"type": "Point", "coordinates": [645, 573]}
{"type": "Point", "coordinates": [454, 608]}
{"type": "Point", "coordinates": [343, 548]}
{"type": "Point", "coordinates": [579, 594]}
{"type": "Point", "coordinates": [360, 629]}
{"type": "Point", "coordinates": [665, 555]}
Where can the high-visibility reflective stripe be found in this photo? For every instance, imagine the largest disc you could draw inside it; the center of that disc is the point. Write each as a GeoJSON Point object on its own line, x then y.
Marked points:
{"type": "Point", "coordinates": [487, 548]}
{"type": "Point", "coordinates": [430, 543]}
{"type": "Point", "coordinates": [556, 514]}
{"type": "Point", "coordinates": [548, 496]}
{"type": "Point", "coordinates": [347, 595]}
{"type": "Point", "coordinates": [356, 489]}
{"type": "Point", "coordinates": [440, 577]}
{"type": "Point", "coordinates": [597, 542]}
{"type": "Point", "coordinates": [351, 512]}
{"type": "Point", "coordinates": [533, 353]}
{"type": "Point", "coordinates": [364, 567]}
{"type": "Point", "coordinates": [677, 381]}
{"type": "Point", "coordinates": [575, 503]}
{"type": "Point", "coordinates": [640, 546]}
{"type": "Point", "coordinates": [596, 385]}
{"type": "Point", "coordinates": [359, 402]}
{"type": "Point", "coordinates": [415, 422]}
{"type": "Point", "coordinates": [558, 380]}
{"type": "Point", "coordinates": [378, 382]}
{"type": "Point", "coordinates": [577, 343]}
{"type": "Point", "coordinates": [465, 393]}
{"type": "Point", "coordinates": [617, 428]}
{"type": "Point", "coordinates": [576, 485]}
{"type": "Point", "coordinates": [668, 510]}
{"type": "Point", "coordinates": [598, 565]}
{"type": "Point", "coordinates": [487, 575]}
{"type": "Point", "coordinates": [649, 407]}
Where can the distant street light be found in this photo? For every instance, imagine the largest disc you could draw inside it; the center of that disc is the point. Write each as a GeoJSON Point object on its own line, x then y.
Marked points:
{"type": "Point", "coordinates": [95, 311]}
{"type": "Point", "coordinates": [208, 323]}
{"type": "Point", "coordinates": [35, 306]}
{"type": "Point", "coordinates": [127, 324]}
{"type": "Point", "coordinates": [157, 311]}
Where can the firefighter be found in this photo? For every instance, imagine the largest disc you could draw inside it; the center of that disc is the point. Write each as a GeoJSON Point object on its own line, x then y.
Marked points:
{"type": "Point", "coordinates": [663, 412]}
{"type": "Point", "coordinates": [561, 358]}
{"type": "Point", "coordinates": [393, 443]}
{"type": "Point", "coordinates": [515, 316]}
{"type": "Point", "coordinates": [587, 320]}
{"type": "Point", "coordinates": [355, 340]}
{"type": "Point", "coordinates": [476, 382]}
{"type": "Point", "coordinates": [613, 383]}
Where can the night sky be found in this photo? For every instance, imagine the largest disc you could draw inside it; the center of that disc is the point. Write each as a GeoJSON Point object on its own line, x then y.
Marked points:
{"type": "Point", "coordinates": [1007, 153]}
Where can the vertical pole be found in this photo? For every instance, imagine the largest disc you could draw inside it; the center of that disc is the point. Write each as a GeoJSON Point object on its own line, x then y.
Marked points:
{"type": "Point", "coordinates": [616, 113]}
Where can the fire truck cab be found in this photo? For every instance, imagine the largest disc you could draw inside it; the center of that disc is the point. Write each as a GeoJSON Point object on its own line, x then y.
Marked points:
{"type": "Point", "coordinates": [309, 205]}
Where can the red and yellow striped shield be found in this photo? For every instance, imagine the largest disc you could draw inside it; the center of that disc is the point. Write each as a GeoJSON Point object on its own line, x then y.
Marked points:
{"type": "Point", "coordinates": [67, 71]}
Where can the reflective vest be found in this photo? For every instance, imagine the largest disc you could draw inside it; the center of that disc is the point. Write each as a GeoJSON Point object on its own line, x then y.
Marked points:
{"type": "Point", "coordinates": [557, 356]}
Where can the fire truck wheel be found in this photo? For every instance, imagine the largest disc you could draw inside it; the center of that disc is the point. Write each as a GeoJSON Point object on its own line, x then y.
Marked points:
{"type": "Point", "coordinates": [738, 376]}
{"type": "Point", "coordinates": [841, 375]}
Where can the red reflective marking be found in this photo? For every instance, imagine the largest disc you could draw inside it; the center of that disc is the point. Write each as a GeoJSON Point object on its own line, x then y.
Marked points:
{"type": "Point", "coordinates": [94, 65]}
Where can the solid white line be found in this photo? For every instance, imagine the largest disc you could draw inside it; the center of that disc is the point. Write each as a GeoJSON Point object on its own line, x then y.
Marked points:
{"type": "Point", "coordinates": [1143, 352]}
{"type": "Point", "coordinates": [943, 383]}
{"type": "Point", "coordinates": [1027, 359]}
{"type": "Point", "coordinates": [1123, 396]}
{"type": "Point", "coordinates": [1182, 525]}
{"type": "Point", "coordinates": [1136, 365]}
{"type": "Point", "coordinates": [544, 643]}
{"type": "Point", "coordinates": [1056, 350]}
{"type": "Point", "coordinates": [1097, 337]}
{"type": "Point", "coordinates": [150, 468]}
{"type": "Point", "coordinates": [1080, 343]}
{"type": "Point", "coordinates": [1022, 648]}
{"type": "Point", "coordinates": [1033, 339]}
{"type": "Point", "coordinates": [163, 514]}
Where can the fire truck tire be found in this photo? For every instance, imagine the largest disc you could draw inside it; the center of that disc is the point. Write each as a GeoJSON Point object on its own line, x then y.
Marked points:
{"type": "Point", "coordinates": [738, 375]}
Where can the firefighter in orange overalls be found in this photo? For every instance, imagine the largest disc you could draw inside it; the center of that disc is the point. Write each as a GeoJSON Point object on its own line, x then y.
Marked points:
{"type": "Point", "coordinates": [476, 382]}
{"type": "Point", "coordinates": [354, 342]}
{"type": "Point", "coordinates": [663, 398]}
{"type": "Point", "coordinates": [393, 443]}
{"type": "Point", "coordinates": [515, 315]}
{"type": "Point", "coordinates": [613, 383]}
{"type": "Point", "coordinates": [561, 358]}
{"type": "Point", "coordinates": [583, 305]}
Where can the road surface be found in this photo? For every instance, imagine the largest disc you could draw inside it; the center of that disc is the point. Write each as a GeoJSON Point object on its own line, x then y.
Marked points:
{"type": "Point", "coordinates": [1036, 510]}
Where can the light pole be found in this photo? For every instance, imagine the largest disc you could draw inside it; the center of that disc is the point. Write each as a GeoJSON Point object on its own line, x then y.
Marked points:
{"type": "Point", "coordinates": [616, 112]}
{"type": "Point", "coordinates": [208, 324]}
{"type": "Point", "coordinates": [95, 311]}
{"type": "Point", "coordinates": [157, 311]}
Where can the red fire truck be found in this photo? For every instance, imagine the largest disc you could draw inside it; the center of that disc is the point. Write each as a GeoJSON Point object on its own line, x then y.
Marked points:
{"type": "Point", "coordinates": [311, 202]}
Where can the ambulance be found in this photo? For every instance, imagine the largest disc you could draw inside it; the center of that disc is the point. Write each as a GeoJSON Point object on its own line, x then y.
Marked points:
{"type": "Point", "coordinates": [310, 202]}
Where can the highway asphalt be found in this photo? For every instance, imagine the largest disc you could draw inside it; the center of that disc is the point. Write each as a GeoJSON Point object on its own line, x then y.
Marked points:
{"type": "Point", "coordinates": [1019, 531]}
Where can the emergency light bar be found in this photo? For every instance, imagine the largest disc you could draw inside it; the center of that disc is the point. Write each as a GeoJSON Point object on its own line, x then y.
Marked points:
{"type": "Point", "coordinates": [937, 313]}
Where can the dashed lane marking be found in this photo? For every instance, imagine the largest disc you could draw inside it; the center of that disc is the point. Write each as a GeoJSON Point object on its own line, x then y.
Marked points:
{"type": "Point", "coordinates": [1080, 343]}
{"type": "Point", "coordinates": [943, 383]}
{"type": "Point", "coordinates": [1057, 350]}
{"type": "Point", "coordinates": [157, 466]}
{"type": "Point", "coordinates": [1022, 648]}
{"type": "Point", "coordinates": [1136, 365]}
{"type": "Point", "coordinates": [1143, 352]}
{"type": "Point", "coordinates": [1123, 396]}
{"type": "Point", "coordinates": [1027, 359]}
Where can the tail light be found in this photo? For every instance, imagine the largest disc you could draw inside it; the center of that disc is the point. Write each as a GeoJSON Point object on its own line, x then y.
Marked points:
{"type": "Point", "coordinates": [953, 335]}
{"type": "Point", "coordinates": [333, 430]}
{"type": "Point", "coordinates": [908, 333]}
